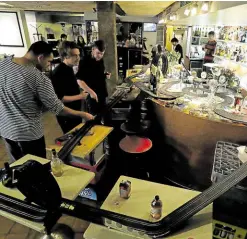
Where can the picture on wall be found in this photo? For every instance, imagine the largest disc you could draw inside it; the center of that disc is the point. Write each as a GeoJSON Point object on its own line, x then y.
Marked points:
{"type": "Point", "coordinates": [10, 30]}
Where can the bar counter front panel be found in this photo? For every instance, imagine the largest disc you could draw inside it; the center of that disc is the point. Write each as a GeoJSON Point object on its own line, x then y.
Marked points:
{"type": "Point", "coordinates": [185, 144]}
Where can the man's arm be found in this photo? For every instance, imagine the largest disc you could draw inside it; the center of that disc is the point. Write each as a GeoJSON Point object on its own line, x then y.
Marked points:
{"type": "Point", "coordinates": [75, 113]}
{"type": "Point", "coordinates": [87, 89]}
{"type": "Point", "coordinates": [82, 76]}
{"type": "Point", "coordinates": [57, 80]}
{"type": "Point", "coordinates": [69, 98]}
{"type": "Point", "coordinates": [48, 97]}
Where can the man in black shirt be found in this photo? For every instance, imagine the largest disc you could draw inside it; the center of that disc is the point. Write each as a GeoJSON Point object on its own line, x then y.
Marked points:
{"type": "Point", "coordinates": [177, 48]}
{"type": "Point", "coordinates": [65, 85]}
{"type": "Point", "coordinates": [92, 77]}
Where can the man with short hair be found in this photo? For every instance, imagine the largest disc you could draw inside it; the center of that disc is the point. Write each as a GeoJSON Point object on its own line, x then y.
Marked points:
{"type": "Point", "coordinates": [210, 48]}
{"type": "Point", "coordinates": [177, 48]}
{"type": "Point", "coordinates": [92, 77]}
{"type": "Point", "coordinates": [25, 93]}
{"type": "Point", "coordinates": [65, 84]}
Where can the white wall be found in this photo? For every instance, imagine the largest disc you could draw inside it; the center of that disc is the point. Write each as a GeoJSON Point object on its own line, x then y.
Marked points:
{"type": "Point", "coordinates": [17, 51]}
{"type": "Point", "coordinates": [151, 39]}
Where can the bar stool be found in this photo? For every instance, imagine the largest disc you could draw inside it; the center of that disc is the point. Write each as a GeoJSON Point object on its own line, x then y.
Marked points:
{"type": "Point", "coordinates": [135, 144]}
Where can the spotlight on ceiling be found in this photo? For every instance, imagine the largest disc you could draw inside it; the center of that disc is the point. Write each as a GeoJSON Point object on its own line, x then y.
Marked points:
{"type": "Point", "coordinates": [187, 12]}
{"type": "Point", "coordinates": [205, 7]}
{"type": "Point", "coordinates": [194, 10]}
{"type": "Point", "coordinates": [173, 16]}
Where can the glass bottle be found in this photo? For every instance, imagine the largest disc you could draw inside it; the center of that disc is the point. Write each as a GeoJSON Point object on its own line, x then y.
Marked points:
{"type": "Point", "coordinates": [156, 207]}
{"type": "Point", "coordinates": [56, 164]}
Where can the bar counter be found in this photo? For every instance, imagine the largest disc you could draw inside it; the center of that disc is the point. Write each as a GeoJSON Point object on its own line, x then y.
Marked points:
{"type": "Point", "coordinates": [184, 143]}
{"type": "Point", "coordinates": [187, 143]}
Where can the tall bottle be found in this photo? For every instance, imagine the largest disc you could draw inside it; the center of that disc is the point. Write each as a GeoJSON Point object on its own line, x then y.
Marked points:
{"type": "Point", "coordinates": [153, 84]}
{"type": "Point", "coordinates": [194, 32]}
{"type": "Point", "coordinates": [203, 32]}
{"type": "Point", "coordinates": [206, 32]}
{"type": "Point", "coordinates": [56, 164]}
{"type": "Point", "coordinates": [156, 208]}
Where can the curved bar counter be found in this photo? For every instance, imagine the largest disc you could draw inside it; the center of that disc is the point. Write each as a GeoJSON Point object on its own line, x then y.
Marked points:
{"type": "Point", "coordinates": [185, 144]}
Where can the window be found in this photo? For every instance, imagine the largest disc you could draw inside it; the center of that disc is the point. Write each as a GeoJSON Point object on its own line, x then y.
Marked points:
{"type": "Point", "coordinates": [10, 32]}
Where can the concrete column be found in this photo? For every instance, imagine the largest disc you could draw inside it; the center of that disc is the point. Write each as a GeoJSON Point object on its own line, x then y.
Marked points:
{"type": "Point", "coordinates": [107, 32]}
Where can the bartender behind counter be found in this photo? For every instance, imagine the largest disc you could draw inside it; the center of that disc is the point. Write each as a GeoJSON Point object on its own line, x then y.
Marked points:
{"type": "Point", "coordinates": [24, 94]}
{"type": "Point", "coordinates": [65, 84]}
{"type": "Point", "coordinates": [92, 77]}
{"type": "Point", "coordinates": [177, 48]}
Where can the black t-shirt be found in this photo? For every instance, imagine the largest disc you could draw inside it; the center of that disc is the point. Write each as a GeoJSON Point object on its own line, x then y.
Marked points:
{"type": "Point", "coordinates": [92, 72]}
{"type": "Point", "coordinates": [65, 84]}
{"type": "Point", "coordinates": [179, 49]}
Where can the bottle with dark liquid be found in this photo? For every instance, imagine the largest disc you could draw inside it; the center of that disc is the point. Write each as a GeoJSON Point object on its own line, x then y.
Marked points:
{"type": "Point", "coordinates": [156, 208]}
{"type": "Point", "coordinates": [153, 84]}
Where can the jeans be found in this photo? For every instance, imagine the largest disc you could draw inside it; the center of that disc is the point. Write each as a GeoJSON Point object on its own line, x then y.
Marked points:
{"type": "Point", "coordinates": [18, 149]}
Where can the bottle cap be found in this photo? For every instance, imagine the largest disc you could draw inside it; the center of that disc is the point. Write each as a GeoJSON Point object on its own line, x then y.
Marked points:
{"type": "Point", "coordinates": [157, 198]}
{"type": "Point", "coordinates": [53, 152]}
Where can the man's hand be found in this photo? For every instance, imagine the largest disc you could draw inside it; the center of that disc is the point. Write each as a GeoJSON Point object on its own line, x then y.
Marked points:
{"type": "Point", "coordinates": [87, 116]}
{"type": "Point", "coordinates": [108, 75]}
{"type": "Point", "coordinates": [93, 95]}
{"type": "Point", "coordinates": [83, 95]}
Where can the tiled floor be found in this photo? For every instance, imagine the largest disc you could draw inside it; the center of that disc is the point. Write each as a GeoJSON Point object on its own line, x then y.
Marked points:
{"type": "Point", "coordinates": [12, 230]}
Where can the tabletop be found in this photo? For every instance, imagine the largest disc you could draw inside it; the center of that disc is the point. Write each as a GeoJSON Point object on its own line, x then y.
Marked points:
{"type": "Point", "coordinates": [71, 183]}
{"type": "Point", "coordinates": [138, 206]}
{"type": "Point", "coordinates": [89, 142]}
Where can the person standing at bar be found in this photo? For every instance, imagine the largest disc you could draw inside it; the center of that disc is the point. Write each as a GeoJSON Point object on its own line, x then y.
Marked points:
{"type": "Point", "coordinates": [65, 84]}
{"type": "Point", "coordinates": [25, 93]}
{"type": "Point", "coordinates": [63, 38]}
{"type": "Point", "coordinates": [81, 43]}
{"type": "Point", "coordinates": [210, 48]}
{"type": "Point", "coordinates": [91, 77]}
{"type": "Point", "coordinates": [177, 48]}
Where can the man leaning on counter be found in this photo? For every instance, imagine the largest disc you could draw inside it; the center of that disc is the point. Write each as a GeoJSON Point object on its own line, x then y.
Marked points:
{"type": "Point", "coordinates": [91, 77]}
{"type": "Point", "coordinates": [66, 87]}
{"type": "Point", "coordinates": [25, 93]}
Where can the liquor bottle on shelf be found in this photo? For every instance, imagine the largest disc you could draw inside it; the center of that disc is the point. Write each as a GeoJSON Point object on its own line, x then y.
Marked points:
{"type": "Point", "coordinates": [217, 52]}
{"type": "Point", "coordinates": [232, 58]}
{"type": "Point", "coordinates": [196, 32]}
{"type": "Point", "coordinates": [200, 32]}
{"type": "Point", "coordinates": [206, 32]}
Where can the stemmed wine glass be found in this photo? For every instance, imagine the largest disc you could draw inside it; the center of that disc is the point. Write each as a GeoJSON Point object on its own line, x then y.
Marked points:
{"type": "Point", "coordinates": [213, 85]}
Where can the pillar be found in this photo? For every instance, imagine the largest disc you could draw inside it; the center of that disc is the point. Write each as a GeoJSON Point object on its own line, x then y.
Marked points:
{"type": "Point", "coordinates": [107, 31]}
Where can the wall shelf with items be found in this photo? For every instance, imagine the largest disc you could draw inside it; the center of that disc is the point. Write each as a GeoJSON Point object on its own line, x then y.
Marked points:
{"type": "Point", "coordinates": [232, 51]}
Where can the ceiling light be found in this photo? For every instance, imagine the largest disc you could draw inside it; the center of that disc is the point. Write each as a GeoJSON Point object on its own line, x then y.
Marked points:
{"type": "Point", "coordinates": [205, 7]}
{"type": "Point", "coordinates": [174, 17]}
{"type": "Point", "coordinates": [194, 10]}
{"type": "Point", "coordinates": [3, 4]}
{"type": "Point", "coordinates": [161, 21]}
{"type": "Point", "coordinates": [187, 12]}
